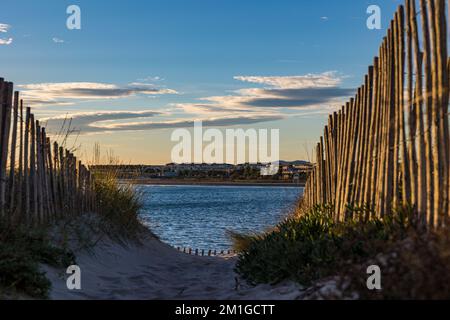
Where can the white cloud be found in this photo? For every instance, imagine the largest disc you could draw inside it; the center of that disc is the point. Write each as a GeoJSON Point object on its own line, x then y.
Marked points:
{"type": "Point", "coordinates": [4, 27]}
{"type": "Point", "coordinates": [6, 42]}
{"type": "Point", "coordinates": [326, 79]}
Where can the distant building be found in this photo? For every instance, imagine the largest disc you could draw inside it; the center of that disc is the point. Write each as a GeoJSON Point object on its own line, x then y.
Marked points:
{"type": "Point", "coordinates": [289, 171]}
{"type": "Point", "coordinates": [295, 172]}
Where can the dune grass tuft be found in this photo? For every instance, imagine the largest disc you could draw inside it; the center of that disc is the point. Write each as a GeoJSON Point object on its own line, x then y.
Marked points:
{"type": "Point", "coordinates": [119, 205]}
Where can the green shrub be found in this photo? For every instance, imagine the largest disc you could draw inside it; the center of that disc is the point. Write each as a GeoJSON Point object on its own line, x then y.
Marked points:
{"type": "Point", "coordinates": [21, 252]}
{"type": "Point", "coordinates": [314, 246]}
{"type": "Point", "coordinates": [290, 251]}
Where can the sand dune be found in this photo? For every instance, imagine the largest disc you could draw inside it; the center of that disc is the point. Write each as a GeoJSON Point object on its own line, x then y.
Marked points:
{"type": "Point", "coordinates": [154, 270]}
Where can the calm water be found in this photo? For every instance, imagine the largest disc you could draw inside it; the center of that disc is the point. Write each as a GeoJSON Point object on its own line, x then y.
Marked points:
{"type": "Point", "coordinates": [198, 216]}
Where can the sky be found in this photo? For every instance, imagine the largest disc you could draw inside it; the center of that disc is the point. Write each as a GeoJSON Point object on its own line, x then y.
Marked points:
{"type": "Point", "coordinates": [137, 70]}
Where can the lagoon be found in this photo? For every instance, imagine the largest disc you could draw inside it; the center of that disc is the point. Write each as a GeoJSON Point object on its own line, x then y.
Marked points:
{"type": "Point", "coordinates": [197, 217]}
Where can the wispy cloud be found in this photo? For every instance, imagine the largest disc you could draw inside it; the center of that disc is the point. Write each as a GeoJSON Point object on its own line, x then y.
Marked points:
{"type": "Point", "coordinates": [69, 92]}
{"type": "Point", "coordinates": [4, 28]}
{"type": "Point", "coordinates": [91, 121]}
{"type": "Point", "coordinates": [306, 92]}
{"type": "Point", "coordinates": [100, 122]}
{"type": "Point", "coordinates": [207, 122]}
{"type": "Point", "coordinates": [322, 80]}
{"type": "Point", "coordinates": [276, 98]}
{"type": "Point", "coordinates": [150, 79]}
{"type": "Point", "coordinates": [58, 40]}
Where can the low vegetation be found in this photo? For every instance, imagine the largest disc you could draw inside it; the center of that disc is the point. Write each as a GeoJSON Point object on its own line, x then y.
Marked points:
{"type": "Point", "coordinates": [416, 268]}
{"type": "Point", "coordinates": [21, 251]}
{"type": "Point", "coordinates": [119, 205]}
{"type": "Point", "coordinates": [313, 246]}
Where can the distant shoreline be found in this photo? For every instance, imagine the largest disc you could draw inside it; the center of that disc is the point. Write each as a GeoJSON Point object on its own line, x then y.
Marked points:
{"type": "Point", "coordinates": [157, 182]}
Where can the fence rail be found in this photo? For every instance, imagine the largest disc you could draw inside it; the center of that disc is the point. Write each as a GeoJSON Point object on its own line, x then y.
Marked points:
{"type": "Point", "coordinates": [40, 181]}
{"type": "Point", "coordinates": [389, 145]}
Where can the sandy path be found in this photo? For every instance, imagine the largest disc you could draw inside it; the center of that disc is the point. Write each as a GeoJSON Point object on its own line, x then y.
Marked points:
{"type": "Point", "coordinates": [157, 271]}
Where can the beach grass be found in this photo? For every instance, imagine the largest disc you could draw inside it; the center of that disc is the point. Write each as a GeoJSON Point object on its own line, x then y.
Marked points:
{"type": "Point", "coordinates": [118, 205]}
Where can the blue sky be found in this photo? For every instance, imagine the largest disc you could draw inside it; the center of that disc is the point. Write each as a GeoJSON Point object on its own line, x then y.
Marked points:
{"type": "Point", "coordinates": [142, 66]}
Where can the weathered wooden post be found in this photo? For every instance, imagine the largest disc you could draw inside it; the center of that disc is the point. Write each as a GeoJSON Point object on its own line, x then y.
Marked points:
{"type": "Point", "coordinates": [12, 162]}
{"type": "Point", "coordinates": [21, 160]}
{"type": "Point", "coordinates": [430, 188]}
{"type": "Point", "coordinates": [33, 175]}
{"type": "Point", "coordinates": [6, 89]}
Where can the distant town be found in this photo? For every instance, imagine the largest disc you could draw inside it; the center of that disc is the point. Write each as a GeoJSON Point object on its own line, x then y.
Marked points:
{"type": "Point", "coordinates": [290, 172]}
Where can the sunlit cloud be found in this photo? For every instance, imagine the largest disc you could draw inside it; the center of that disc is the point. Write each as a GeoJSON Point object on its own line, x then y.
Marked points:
{"type": "Point", "coordinates": [89, 121]}
{"type": "Point", "coordinates": [308, 92]}
{"type": "Point", "coordinates": [70, 92]}
{"type": "Point", "coordinates": [100, 122]}
{"type": "Point", "coordinates": [207, 122]}
{"type": "Point", "coordinates": [277, 98]}
{"type": "Point", "coordinates": [295, 98]}
{"type": "Point", "coordinates": [322, 80]}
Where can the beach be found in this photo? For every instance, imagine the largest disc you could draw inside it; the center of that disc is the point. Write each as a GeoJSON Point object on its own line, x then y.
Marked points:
{"type": "Point", "coordinates": [154, 270]}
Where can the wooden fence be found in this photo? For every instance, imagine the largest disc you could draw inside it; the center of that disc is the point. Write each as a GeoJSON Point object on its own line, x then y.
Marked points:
{"type": "Point", "coordinates": [389, 146]}
{"type": "Point", "coordinates": [39, 181]}
{"type": "Point", "coordinates": [203, 253]}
